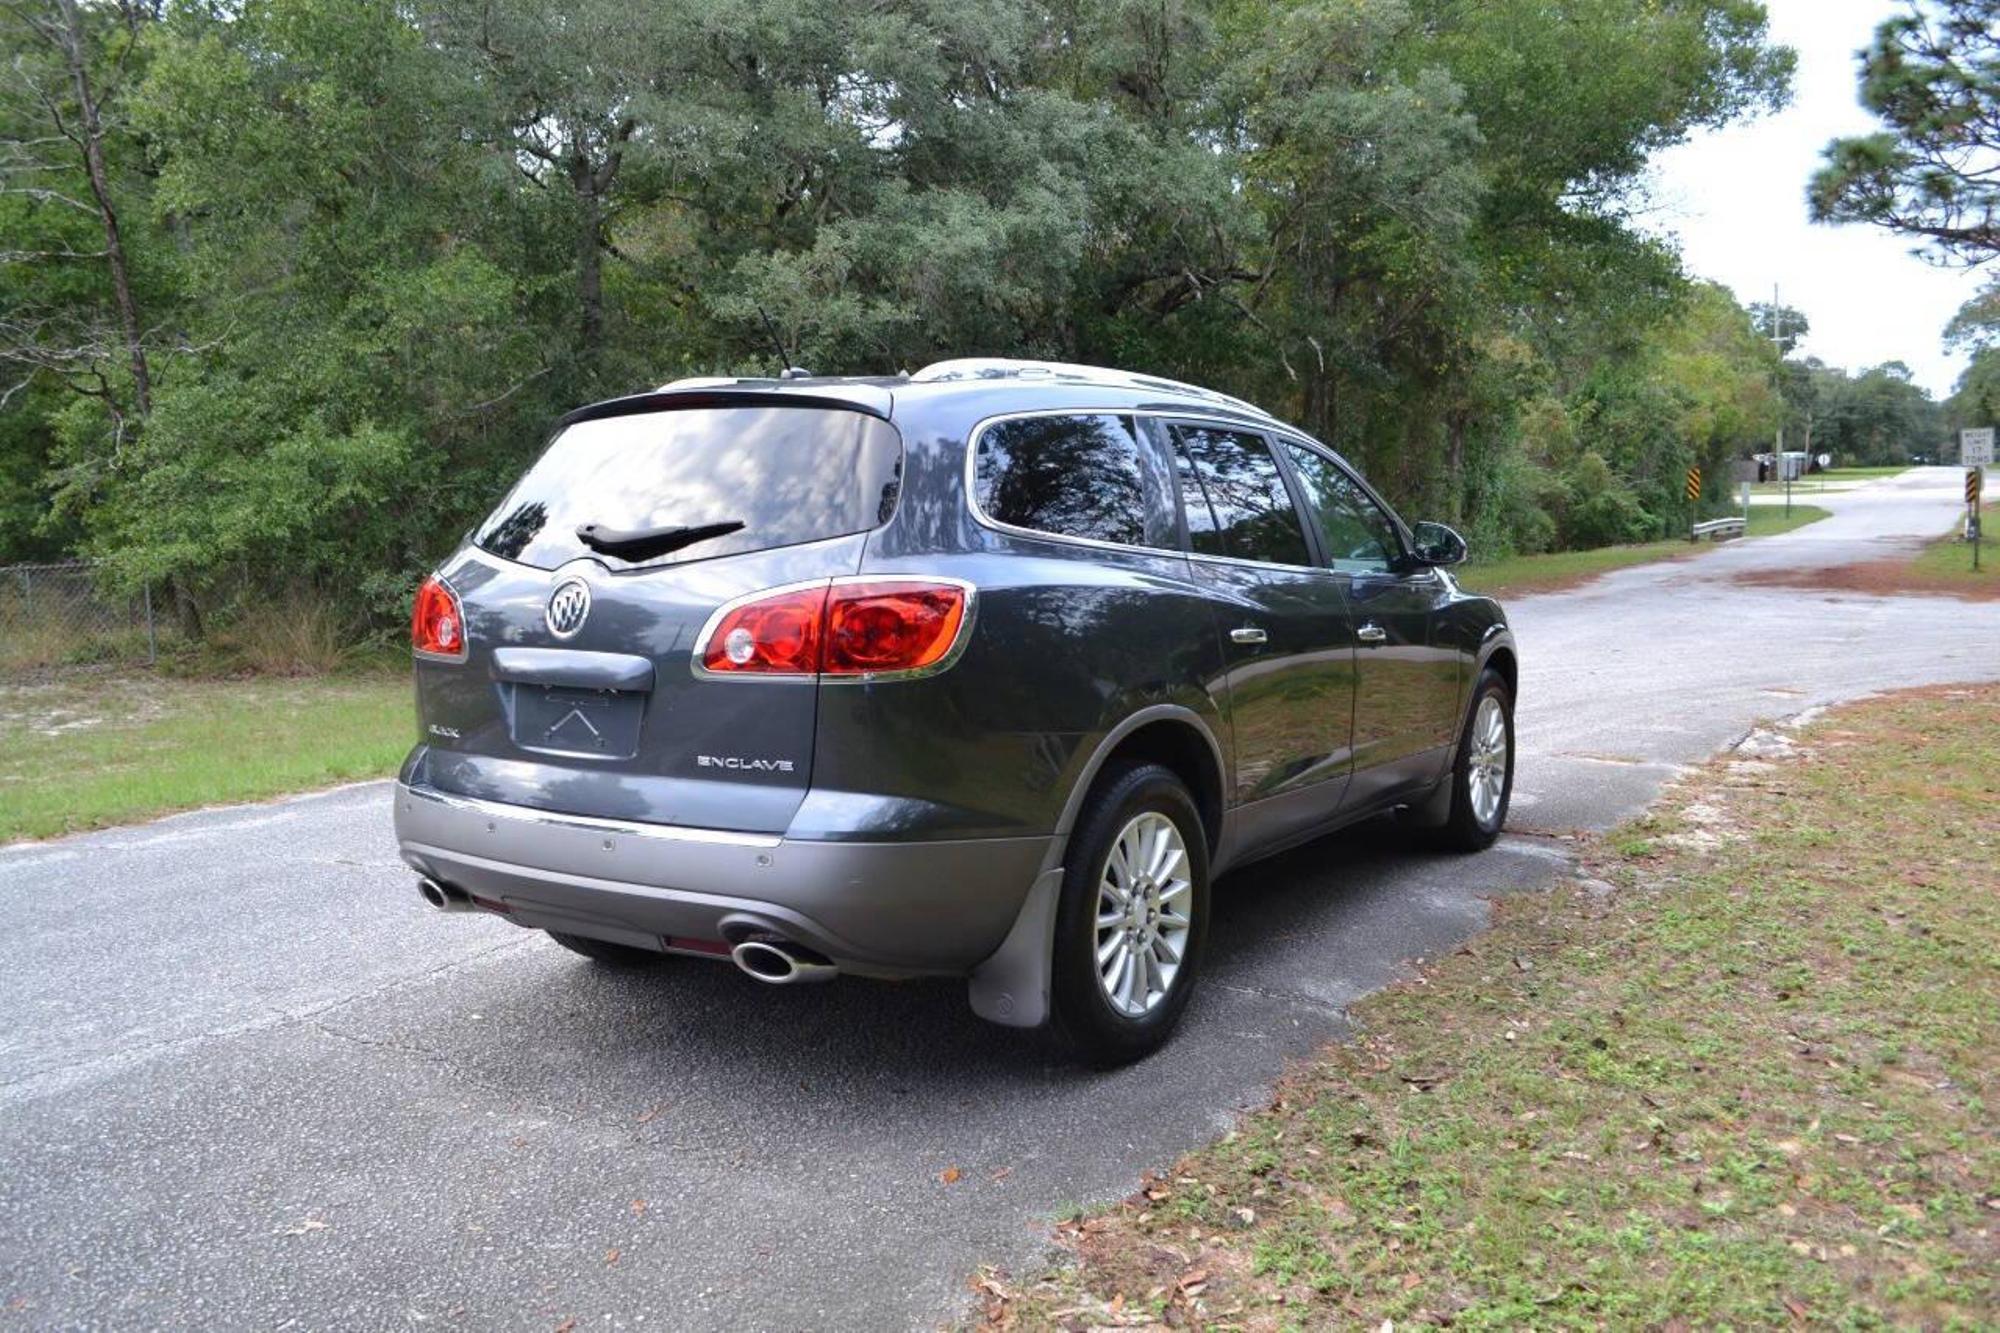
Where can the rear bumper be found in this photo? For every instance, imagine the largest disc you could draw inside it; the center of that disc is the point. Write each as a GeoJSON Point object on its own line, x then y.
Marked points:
{"type": "Point", "coordinates": [886, 908]}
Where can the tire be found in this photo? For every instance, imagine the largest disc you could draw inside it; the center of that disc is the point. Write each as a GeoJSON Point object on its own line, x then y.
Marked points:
{"type": "Point", "coordinates": [1473, 769]}
{"type": "Point", "coordinates": [605, 952]}
{"type": "Point", "coordinates": [1106, 1022]}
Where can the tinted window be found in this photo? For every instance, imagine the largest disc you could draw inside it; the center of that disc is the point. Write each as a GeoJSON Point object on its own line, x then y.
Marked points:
{"type": "Point", "coordinates": [1357, 535]}
{"type": "Point", "coordinates": [1237, 504]}
{"type": "Point", "coordinates": [1089, 476]}
{"type": "Point", "coordinates": [788, 474]}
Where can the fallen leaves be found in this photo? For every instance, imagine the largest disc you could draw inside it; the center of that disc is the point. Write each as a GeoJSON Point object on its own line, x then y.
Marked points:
{"type": "Point", "coordinates": [951, 1175]}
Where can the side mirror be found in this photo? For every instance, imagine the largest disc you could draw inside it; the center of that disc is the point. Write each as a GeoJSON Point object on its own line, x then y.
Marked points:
{"type": "Point", "coordinates": [1438, 544]}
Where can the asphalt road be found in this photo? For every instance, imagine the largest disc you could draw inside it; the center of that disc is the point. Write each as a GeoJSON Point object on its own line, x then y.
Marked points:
{"type": "Point", "coordinates": [247, 1080]}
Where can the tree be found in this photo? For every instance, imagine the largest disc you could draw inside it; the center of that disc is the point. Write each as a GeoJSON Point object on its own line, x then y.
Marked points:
{"type": "Point", "coordinates": [1933, 76]}
{"type": "Point", "coordinates": [69, 69]}
{"type": "Point", "coordinates": [392, 239]}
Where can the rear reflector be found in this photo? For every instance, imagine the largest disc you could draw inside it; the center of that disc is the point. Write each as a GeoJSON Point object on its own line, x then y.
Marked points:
{"type": "Point", "coordinates": [437, 624]}
{"type": "Point", "coordinates": [691, 944]}
{"type": "Point", "coordinates": [863, 628]}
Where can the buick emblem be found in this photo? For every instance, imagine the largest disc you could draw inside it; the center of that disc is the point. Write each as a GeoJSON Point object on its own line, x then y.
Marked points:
{"type": "Point", "coordinates": [569, 607]}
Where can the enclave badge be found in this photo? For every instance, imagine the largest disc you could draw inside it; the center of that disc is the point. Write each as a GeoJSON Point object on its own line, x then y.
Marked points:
{"type": "Point", "coordinates": [569, 607]}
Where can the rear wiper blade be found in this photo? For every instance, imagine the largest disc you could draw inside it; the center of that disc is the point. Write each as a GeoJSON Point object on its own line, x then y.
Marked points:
{"type": "Point", "coordinates": [645, 543]}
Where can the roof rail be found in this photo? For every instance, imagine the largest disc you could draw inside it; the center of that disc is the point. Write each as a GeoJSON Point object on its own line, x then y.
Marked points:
{"type": "Point", "coordinates": [997, 367]}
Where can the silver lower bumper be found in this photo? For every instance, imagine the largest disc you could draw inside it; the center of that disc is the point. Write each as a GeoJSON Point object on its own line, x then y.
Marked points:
{"type": "Point", "coordinates": [880, 908]}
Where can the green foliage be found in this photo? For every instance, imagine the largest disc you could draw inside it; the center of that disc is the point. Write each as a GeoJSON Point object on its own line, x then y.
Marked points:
{"type": "Point", "coordinates": [383, 242]}
{"type": "Point", "coordinates": [1932, 75]}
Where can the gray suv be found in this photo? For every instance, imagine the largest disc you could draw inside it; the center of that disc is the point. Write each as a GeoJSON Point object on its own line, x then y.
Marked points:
{"type": "Point", "coordinates": [984, 672]}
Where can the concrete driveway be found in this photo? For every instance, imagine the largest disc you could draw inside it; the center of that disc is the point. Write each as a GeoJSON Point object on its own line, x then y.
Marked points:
{"type": "Point", "coordinates": [247, 1080]}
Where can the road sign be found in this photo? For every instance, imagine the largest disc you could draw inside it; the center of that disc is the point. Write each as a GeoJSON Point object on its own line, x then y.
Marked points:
{"type": "Point", "coordinates": [1974, 482]}
{"type": "Point", "coordinates": [1975, 447]}
{"type": "Point", "coordinates": [1694, 484]}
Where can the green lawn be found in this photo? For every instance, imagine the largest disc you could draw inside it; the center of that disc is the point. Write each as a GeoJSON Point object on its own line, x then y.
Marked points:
{"type": "Point", "coordinates": [1946, 563]}
{"type": "Point", "coordinates": [1514, 576]}
{"type": "Point", "coordinates": [1864, 473]}
{"type": "Point", "coordinates": [83, 750]}
{"type": "Point", "coordinates": [1833, 479]}
{"type": "Point", "coordinates": [1742, 1074]}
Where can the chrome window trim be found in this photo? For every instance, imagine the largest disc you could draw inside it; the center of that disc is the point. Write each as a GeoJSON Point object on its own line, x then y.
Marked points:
{"type": "Point", "coordinates": [951, 656]}
{"type": "Point", "coordinates": [1270, 438]}
{"type": "Point", "coordinates": [1396, 524]}
{"type": "Point", "coordinates": [1275, 432]}
{"type": "Point", "coordinates": [986, 520]}
{"type": "Point", "coordinates": [663, 832]}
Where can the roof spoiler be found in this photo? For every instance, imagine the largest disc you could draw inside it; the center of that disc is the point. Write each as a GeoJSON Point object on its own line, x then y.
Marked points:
{"type": "Point", "coordinates": [867, 399]}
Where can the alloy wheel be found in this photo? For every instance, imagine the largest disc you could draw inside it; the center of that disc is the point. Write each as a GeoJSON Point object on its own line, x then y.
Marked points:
{"type": "Point", "coordinates": [1486, 769]}
{"type": "Point", "coordinates": [1145, 901]}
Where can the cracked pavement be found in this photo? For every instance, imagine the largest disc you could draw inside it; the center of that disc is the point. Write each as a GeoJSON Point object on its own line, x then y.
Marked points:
{"type": "Point", "coordinates": [246, 1078]}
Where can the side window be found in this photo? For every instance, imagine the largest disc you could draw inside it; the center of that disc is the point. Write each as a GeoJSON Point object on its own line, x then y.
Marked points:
{"type": "Point", "coordinates": [1089, 475]}
{"type": "Point", "coordinates": [1359, 538]}
{"type": "Point", "coordinates": [1237, 504]}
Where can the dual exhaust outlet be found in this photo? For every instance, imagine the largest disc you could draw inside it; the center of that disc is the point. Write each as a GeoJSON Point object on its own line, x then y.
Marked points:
{"type": "Point", "coordinates": [767, 958]}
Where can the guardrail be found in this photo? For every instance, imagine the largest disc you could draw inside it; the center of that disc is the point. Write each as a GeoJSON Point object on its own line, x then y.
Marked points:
{"type": "Point", "coordinates": [1716, 529]}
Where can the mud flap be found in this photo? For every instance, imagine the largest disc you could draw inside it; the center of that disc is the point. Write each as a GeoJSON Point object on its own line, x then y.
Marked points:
{"type": "Point", "coordinates": [1011, 987]}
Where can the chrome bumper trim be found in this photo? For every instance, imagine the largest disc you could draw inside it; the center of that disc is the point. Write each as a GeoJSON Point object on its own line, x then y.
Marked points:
{"type": "Point", "coordinates": [662, 832]}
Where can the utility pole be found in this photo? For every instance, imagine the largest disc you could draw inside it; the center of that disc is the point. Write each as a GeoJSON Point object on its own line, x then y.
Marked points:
{"type": "Point", "coordinates": [1778, 341]}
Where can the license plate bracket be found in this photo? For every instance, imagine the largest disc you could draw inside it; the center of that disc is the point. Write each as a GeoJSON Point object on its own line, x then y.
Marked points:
{"type": "Point", "coordinates": [592, 724]}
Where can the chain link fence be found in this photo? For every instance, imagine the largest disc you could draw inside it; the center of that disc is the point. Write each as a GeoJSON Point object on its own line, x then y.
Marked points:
{"type": "Point", "coordinates": [54, 616]}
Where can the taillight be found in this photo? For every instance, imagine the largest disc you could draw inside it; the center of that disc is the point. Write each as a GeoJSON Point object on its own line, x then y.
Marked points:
{"type": "Point", "coordinates": [778, 635]}
{"type": "Point", "coordinates": [874, 627]}
{"type": "Point", "coordinates": [861, 627]}
{"type": "Point", "coordinates": [437, 625]}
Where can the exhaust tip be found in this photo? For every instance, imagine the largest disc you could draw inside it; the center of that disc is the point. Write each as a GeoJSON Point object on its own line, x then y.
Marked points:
{"type": "Point", "coordinates": [442, 896]}
{"type": "Point", "coordinates": [781, 963]}
{"type": "Point", "coordinates": [766, 962]}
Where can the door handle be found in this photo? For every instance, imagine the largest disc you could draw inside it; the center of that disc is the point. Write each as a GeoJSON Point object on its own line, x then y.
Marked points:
{"type": "Point", "coordinates": [1372, 633]}
{"type": "Point", "coordinates": [1248, 634]}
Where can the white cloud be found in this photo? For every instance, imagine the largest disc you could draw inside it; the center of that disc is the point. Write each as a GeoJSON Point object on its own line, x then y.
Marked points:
{"type": "Point", "coordinates": [1735, 198]}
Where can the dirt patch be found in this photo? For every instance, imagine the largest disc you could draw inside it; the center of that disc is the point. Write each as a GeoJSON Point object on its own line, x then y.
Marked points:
{"type": "Point", "coordinates": [1875, 578]}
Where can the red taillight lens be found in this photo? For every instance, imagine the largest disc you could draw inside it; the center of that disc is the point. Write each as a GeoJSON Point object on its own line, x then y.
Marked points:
{"type": "Point", "coordinates": [776, 635]}
{"type": "Point", "coordinates": [897, 626]}
{"type": "Point", "coordinates": [856, 628]}
{"type": "Point", "coordinates": [437, 626]}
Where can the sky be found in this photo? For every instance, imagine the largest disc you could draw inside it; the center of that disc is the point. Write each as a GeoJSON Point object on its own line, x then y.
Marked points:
{"type": "Point", "coordinates": [1735, 198]}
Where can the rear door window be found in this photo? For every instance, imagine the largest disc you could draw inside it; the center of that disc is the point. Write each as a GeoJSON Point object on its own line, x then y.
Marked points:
{"type": "Point", "coordinates": [1236, 500]}
{"type": "Point", "coordinates": [1095, 476]}
{"type": "Point", "coordinates": [787, 474]}
{"type": "Point", "coordinates": [1358, 536]}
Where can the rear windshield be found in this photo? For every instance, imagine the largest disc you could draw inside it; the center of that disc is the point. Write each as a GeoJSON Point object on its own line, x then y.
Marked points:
{"type": "Point", "coordinates": [787, 474]}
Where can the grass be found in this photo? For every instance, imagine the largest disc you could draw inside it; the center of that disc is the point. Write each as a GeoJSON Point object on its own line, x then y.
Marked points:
{"type": "Point", "coordinates": [1947, 561]}
{"type": "Point", "coordinates": [1742, 1073]}
{"type": "Point", "coordinates": [84, 750]}
{"type": "Point", "coordinates": [1863, 473]}
{"type": "Point", "coordinates": [1834, 478]}
{"type": "Point", "coordinates": [1514, 576]}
